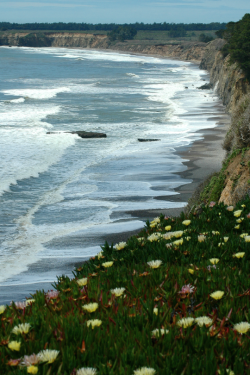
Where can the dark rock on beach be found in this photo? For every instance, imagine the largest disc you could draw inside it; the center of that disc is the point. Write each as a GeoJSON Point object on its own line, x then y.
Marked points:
{"type": "Point", "coordinates": [147, 140]}
{"type": "Point", "coordinates": [207, 86]}
{"type": "Point", "coordinates": [84, 134]}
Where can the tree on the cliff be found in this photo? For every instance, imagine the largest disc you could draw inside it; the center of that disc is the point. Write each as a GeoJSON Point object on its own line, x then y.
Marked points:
{"type": "Point", "coordinates": [205, 38]}
{"type": "Point", "coordinates": [237, 35]}
{"type": "Point", "coordinates": [122, 33]}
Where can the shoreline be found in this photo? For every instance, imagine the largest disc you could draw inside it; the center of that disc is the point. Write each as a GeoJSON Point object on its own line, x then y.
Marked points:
{"type": "Point", "coordinates": [201, 158]}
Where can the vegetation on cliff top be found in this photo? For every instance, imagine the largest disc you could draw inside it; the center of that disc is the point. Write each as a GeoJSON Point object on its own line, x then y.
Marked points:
{"type": "Point", "coordinates": [59, 26]}
{"type": "Point", "coordinates": [172, 300]}
{"type": "Point", "coordinates": [121, 33]}
{"type": "Point", "coordinates": [237, 35]}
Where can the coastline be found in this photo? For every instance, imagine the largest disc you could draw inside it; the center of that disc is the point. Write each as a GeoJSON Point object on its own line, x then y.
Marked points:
{"type": "Point", "coordinates": [202, 158]}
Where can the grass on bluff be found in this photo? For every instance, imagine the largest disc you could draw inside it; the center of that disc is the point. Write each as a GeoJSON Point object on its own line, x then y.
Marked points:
{"type": "Point", "coordinates": [173, 300]}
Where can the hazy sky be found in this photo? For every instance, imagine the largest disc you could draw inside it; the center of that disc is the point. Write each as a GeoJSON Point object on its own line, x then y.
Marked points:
{"type": "Point", "coordinates": [121, 11]}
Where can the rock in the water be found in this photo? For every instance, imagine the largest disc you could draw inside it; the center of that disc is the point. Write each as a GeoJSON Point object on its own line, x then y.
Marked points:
{"type": "Point", "coordinates": [207, 86]}
{"type": "Point", "coordinates": [84, 134]}
{"type": "Point", "coordinates": [147, 140]}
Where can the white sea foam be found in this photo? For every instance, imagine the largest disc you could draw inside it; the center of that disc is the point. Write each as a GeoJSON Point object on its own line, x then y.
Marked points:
{"type": "Point", "coordinates": [132, 75]}
{"type": "Point", "coordinates": [40, 94]}
{"type": "Point", "coordinates": [19, 100]}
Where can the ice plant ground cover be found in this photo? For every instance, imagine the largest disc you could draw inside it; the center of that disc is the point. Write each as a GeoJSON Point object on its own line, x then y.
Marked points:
{"type": "Point", "coordinates": [190, 315]}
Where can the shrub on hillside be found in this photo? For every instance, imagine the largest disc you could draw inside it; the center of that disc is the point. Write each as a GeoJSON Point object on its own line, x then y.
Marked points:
{"type": "Point", "coordinates": [237, 35]}
{"type": "Point", "coordinates": [205, 38]}
{"type": "Point", "coordinates": [122, 33]}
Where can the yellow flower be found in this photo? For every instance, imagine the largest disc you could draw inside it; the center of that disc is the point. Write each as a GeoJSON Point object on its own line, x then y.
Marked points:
{"type": "Point", "coordinates": [178, 242]}
{"type": "Point", "coordinates": [237, 226]}
{"type": "Point", "coordinates": [247, 238]}
{"type": "Point", "coordinates": [240, 220]}
{"type": "Point", "coordinates": [154, 237]}
{"type": "Point", "coordinates": [21, 328]}
{"type": "Point", "coordinates": [215, 232]}
{"type": "Point", "coordinates": [107, 264]}
{"type": "Point", "coordinates": [239, 255]}
{"type": "Point", "coordinates": [221, 244]}
{"type": "Point", "coordinates": [120, 245]}
{"type": "Point", "coordinates": [158, 332]}
{"type": "Point", "coordinates": [188, 238]}
{"type": "Point", "coordinates": [145, 371]}
{"type": "Point", "coordinates": [91, 307]}
{"type": "Point", "coordinates": [178, 233]}
{"type": "Point", "coordinates": [140, 239]}
{"type": "Point", "coordinates": [203, 320]}
{"type": "Point", "coordinates": [217, 295]}
{"type": "Point", "coordinates": [86, 371]}
{"type": "Point", "coordinates": [168, 227]}
{"type": "Point", "coordinates": [100, 255]}
{"type": "Point", "coordinates": [155, 263]}
{"type": "Point", "coordinates": [201, 238]}
{"type": "Point", "coordinates": [155, 311]}
{"type": "Point", "coordinates": [191, 271]}
{"type": "Point", "coordinates": [14, 345]}
{"type": "Point", "coordinates": [242, 327]}
{"type": "Point", "coordinates": [153, 225]}
{"type": "Point", "coordinates": [30, 301]}
{"type": "Point", "coordinates": [168, 236]}
{"type": "Point", "coordinates": [243, 235]}
{"type": "Point", "coordinates": [243, 205]}
{"type": "Point", "coordinates": [214, 260]}
{"type": "Point", "coordinates": [94, 323]}
{"type": "Point", "coordinates": [186, 222]}
{"type": "Point", "coordinates": [228, 371]}
{"type": "Point", "coordinates": [185, 322]}
{"type": "Point", "coordinates": [156, 220]}
{"type": "Point", "coordinates": [48, 355]}
{"type": "Point", "coordinates": [2, 309]}
{"type": "Point", "coordinates": [82, 282]}
{"type": "Point", "coordinates": [117, 291]}
{"type": "Point", "coordinates": [226, 239]}
{"type": "Point", "coordinates": [32, 370]}
{"type": "Point", "coordinates": [230, 208]}
{"type": "Point", "coordinates": [237, 213]}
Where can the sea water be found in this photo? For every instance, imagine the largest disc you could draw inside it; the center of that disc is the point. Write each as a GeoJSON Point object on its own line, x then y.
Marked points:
{"type": "Point", "coordinates": [59, 193]}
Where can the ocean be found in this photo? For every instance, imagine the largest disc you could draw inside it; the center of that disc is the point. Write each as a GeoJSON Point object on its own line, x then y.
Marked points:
{"type": "Point", "coordinates": [60, 194]}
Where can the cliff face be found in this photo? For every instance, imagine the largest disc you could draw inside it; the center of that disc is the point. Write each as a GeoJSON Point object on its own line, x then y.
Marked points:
{"type": "Point", "coordinates": [55, 40]}
{"type": "Point", "coordinates": [184, 51]}
{"type": "Point", "coordinates": [188, 51]}
{"type": "Point", "coordinates": [234, 90]}
{"type": "Point", "coordinates": [229, 80]}
{"type": "Point", "coordinates": [78, 40]}
{"type": "Point", "coordinates": [8, 39]}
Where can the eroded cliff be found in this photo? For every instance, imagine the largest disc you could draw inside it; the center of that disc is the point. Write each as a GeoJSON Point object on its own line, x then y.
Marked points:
{"type": "Point", "coordinates": [65, 39]}
{"type": "Point", "coordinates": [233, 182]}
{"type": "Point", "coordinates": [188, 51]}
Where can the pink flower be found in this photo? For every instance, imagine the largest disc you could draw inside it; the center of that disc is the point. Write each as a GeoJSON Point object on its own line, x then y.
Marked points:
{"type": "Point", "coordinates": [53, 294]}
{"type": "Point", "coordinates": [167, 217]}
{"type": "Point", "coordinates": [30, 360]}
{"type": "Point", "coordinates": [20, 305]}
{"type": "Point", "coordinates": [209, 267]}
{"type": "Point", "coordinates": [248, 215]}
{"type": "Point", "coordinates": [187, 289]}
{"type": "Point", "coordinates": [211, 204]}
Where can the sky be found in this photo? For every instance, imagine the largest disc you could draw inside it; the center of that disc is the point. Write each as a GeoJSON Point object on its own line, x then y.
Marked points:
{"type": "Point", "coordinates": [123, 11]}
